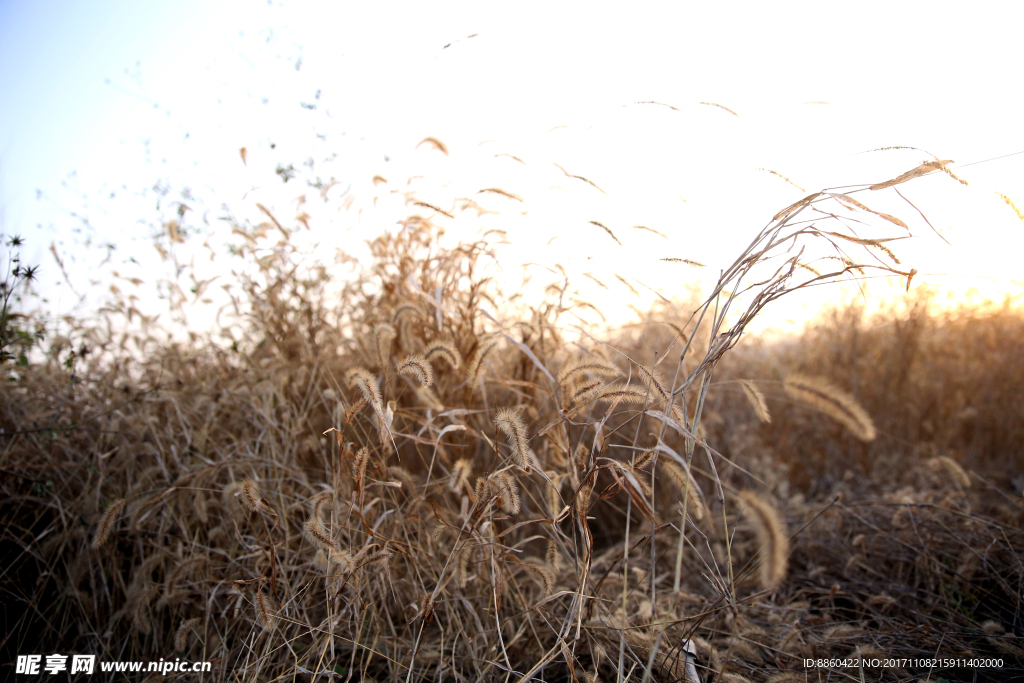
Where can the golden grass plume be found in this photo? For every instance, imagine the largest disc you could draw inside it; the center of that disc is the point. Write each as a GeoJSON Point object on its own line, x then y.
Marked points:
{"type": "Point", "coordinates": [772, 538]}
{"type": "Point", "coordinates": [417, 367]}
{"type": "Point", "coordinates": [825, 397]}
{"type": "Point", "coordinates": [756, 400]}
{"type": "Point", "coordinates": [106, 523]}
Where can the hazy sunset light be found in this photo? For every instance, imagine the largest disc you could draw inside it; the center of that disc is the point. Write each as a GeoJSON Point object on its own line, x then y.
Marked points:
{"type": "Point", "coordinates": [698, 122]}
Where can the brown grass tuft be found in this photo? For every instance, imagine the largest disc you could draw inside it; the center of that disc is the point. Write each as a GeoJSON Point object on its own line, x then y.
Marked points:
{"type": "Point", "coordinates": [820, 394]}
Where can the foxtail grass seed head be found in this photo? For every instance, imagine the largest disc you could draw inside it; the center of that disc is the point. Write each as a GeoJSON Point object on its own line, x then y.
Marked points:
{"type": "Point", "coordinates": [487, 345]}
{"type": "Point", "coordinates": [342, 558]}
{"type": "Point", "coordinates": [250, 498]}
{"type": "Point", "coordinates": [384, 334]}
{"type": "Point", "coordinates": [266, 610]}
{"type": "Point", "coordinates": [320, 560]}
{"type": "Point", "coordinates": [685, 485]}
{"type": "Point", "coordinates": [625, 393]}
{"type": "Point", "coordinates": [772, 538]}
{"type": "Point", "coordinates": [655, 383]}
{"type": "Point", "coordinates": [183, 632]}
{"type": "Point", "coordinates": [321, 505]}
{"type": "Point", "coordinates": [433, 142]}
{"type": "Point", "coordinates": [368, 387]}
{"type": "Point", "coordinates": [510, 422]}
{"type": "Point", "coordinates": [106, 523]}
{"type": "Point", "coordinates": [756, 400]}
{"type": "Point", "coordinates": [820, 394]}
{"type": "Point", "coordinates": [481, 492]}
{"type": "Point", "coordinates": [418, 368]}
{"type": "Point", "coordinates": [585, 390]}
{"type": "Point", "coordinates": [507, 489]}
{"type": "Point", "coordinates": [461, 472]}
{"type": "Point", "coordinates": [1010, 203]}
{"type": "Point", "coordinates": [607, 230]}
{"type": "Point", "coordinates": [359, 467]}
{"type": "Point", "coordinates": [317, 534]}
{"type": "Point", "coordinates": [404, 312]}
{"type": "Point", "coordinates": [462, 566]}
{"type": "Point", "coordinates": [545, 574]}
{"type": "Point", "coordinates": [586, 366]}
{"type": "Point", "coordinates": [946, 464]}
{"type": "Point", "coordinates": [375, 560]}
{"type": "Point", "coordinates": [643, 460]}
{"type": "Point", "coordinates": [443, 350]}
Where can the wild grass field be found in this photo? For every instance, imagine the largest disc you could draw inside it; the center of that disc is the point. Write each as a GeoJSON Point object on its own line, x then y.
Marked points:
{"type": "Point", "coordinates": [417, 476]}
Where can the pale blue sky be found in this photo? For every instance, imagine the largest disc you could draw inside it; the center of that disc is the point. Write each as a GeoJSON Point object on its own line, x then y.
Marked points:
{"type": "Point", "coordinates": [102, 94]}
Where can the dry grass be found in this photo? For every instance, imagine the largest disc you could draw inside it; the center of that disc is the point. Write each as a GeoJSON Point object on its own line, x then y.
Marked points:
{"type": "Point", "coordinates": [337, 500]}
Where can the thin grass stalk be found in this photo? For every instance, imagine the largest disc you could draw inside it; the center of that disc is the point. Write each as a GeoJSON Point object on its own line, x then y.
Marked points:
{"type": "Point", "coordinates": [625, 587]}
{"type": "Point", "coordinates": [654, 653]}
{"type": "Point", "coordinates": [725, 523]}
{"type": "Point", "coordinates": [654, 478]}
{"type": "Point", "coordinates": [625, 545]}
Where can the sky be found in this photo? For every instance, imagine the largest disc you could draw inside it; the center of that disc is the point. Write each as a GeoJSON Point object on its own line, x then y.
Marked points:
{"type": "Point", "coordinates": [112, 110]}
